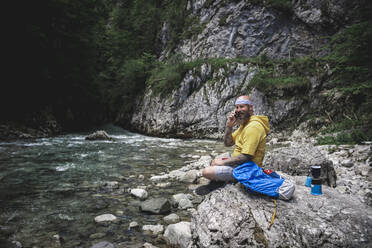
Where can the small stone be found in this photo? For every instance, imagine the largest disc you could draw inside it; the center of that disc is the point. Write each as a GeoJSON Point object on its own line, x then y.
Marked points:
{"type": "Point", "coordinates": [140, 193]}
{"type": "Point", "coordinates": [119, 213]}
{"type": "Point", "coordinates": [97, 235]}
{"type": "Point", "coordinates": [105, 217]}
{"type": "Point", "coordinates": [148, 245]}
{"type": "Point", "coordinates": [163, 185]}
{"type": "Point", "coordinates": [154, 229]}
{"type": "Point", "coordinates": [190, 176]}
{"type": "Point", "coordinates": [133, 224]}
{"type": "Point", "coordinates": [171, 219]}
{"type": "Point", "coordinates": [103, 244]}
{"type": "Point", "coordinates": [347, 163]}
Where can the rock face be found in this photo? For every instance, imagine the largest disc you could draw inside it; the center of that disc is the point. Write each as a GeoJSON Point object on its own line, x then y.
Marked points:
{"type": "Point", "coordinates": [231, 217]}
{"type": "Point", "coordinates": [231, 29]}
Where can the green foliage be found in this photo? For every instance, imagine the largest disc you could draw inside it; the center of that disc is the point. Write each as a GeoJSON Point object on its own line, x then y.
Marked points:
{"type": "Point", "coordinates": [353, 137]}
{"type": "Point", "coordinates": [351, 58]}
{"type": "Point", "coordinates": [283, 74]}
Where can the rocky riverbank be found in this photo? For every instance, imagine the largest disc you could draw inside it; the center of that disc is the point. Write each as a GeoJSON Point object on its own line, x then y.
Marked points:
{"type": "Point", "coordinates": [227, 215]}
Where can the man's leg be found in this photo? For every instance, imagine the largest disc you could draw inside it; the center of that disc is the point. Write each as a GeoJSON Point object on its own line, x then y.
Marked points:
{"type": "Point", "coordinates": [219, 173]}
{"type": "Point", "coordinates": [209, 173]}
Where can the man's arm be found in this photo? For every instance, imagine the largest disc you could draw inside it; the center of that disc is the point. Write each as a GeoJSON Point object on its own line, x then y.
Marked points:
{"type": "Point", "coordinates": [228, 139]}
{"type": "Point", "coordinates": [230, 123]}
{"type": "Point", "coordinates": [237, 160]}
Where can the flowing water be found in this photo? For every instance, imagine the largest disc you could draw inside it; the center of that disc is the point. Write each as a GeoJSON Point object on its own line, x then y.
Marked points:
{"type": "Point", "coordinates": [51, 189]}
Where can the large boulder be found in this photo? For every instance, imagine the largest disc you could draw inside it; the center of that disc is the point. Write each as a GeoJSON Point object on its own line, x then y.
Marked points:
{"type": "Point", "coordinates": [298, 159]}
{"type": "Point", "coordinates": [232, 217]}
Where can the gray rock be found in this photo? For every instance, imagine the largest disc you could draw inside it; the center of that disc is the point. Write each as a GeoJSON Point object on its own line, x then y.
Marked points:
{"type": "Point", "coordinates": [156, 206]}
{"type": "Point", "coordinates": [148, 245]}
{"type": "Point", "coordinates": [347, 163]}
{"type": "Point", "coordinates": [153, 229]}
{"type": "Point", "coordinates": [181, 201]}
{"type": "Point", "coordinates": [99, 135]}
{"type": "Point", "coordinates": [232, 217]}
{"type": "Point", "coordinates": [171, 219]}
{"type": "Point", "coordinates": [97, 235]}
{"type": "Point", "coordinates": [140, 193]}
{"type": "Point", "coordinates": [103, 244]}
{"type": "Point", "coordinates": [133, 224]}
{"type": "Point", "coordinates": [190, 176]}
{"type": "Point", "coordinates": [298, 159]}
{"type": "Point", "coordinates": [105, 218]}
{"type": "Point", "coordinates": [178, 234]}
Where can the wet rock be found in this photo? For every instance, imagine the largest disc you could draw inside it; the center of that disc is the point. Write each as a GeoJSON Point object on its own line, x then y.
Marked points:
{"type": "Point", "coordinates": [153, 229]}
{"type": "Point", "coordinates": [97, 235]}
{"type": "Point", "coordinates": [103, 244]}
{"type": "Point", "coordinates": [17, 244]}
{"type": "Point", "coordinates": [232, 217]}
{"type": "Point", "coordinates": [140, 193]}
{"type": "Point", "coordinates": [178, 234]}
{"type": "Point", "coordinates": [99, 135]}
{"type": "Point", "coordinates": [181, 201]}
{"type": "Point", "coordinates": [109, 186]}
{"type": "Point", "coordinates": [156, 206]}
{"type": "Point", "coordinates": [148, 245]}
{"type": "Point", "coordinates": [159, 178]}
{"type": "Point", "coordinates": [171, 219]}
{"type": "Point", "coordinates": [105, 218]}
{"type": "Point", "coordinates": [133, 224]}
{"type": "Point", "coordinates": [163, 185]}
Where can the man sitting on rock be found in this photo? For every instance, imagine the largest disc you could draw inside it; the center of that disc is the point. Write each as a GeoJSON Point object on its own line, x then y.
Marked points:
{"type": "Point", "coordinates": [249, 140]}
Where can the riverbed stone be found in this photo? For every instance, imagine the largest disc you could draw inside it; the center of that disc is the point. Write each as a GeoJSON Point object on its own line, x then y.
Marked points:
{"type": "Point", "coordinates": [97, 235]}
{"type": "Point", "coordinates": [149, 245]}
{"type": "Point", "coordinates": [156, 205]}
{"type": "Point", "coordinates": [103, 244]}
{"type": "Point", "coordinates": [153, 229]}
{"type": "Point", "coordinates": [182, 201]}
{"type": "Point", "coordinates": [178, 234]}
{"type": "Point", "coordinates": [190, 176]}
{"type": "Point", "coordinates": [171, 219]}
{"type": "Point", "coordinates": [133, 224]}
{"type": "Point", "coordinates": [159, 178]}
{"type": "Point", "coordinates": [105, 218]}
{"type": "Point", "coordinates": [140, 193]}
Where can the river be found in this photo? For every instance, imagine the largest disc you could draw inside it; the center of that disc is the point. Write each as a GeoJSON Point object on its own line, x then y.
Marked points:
{"type": "Point", "coordinates": [52, 188]}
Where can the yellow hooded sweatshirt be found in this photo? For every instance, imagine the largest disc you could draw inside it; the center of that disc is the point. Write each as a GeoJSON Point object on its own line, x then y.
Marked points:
{"type": "Point", "coordinates": [251, 138]}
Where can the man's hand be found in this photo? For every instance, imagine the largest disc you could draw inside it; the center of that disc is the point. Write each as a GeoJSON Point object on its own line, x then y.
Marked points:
{"type": "Point", "coordinates": [230, 123]}
{"type": "Point", "coordinates": [219, 161]}
{"type": "Point", "coordinates": [240, 159]}
{"type": "Point", "coordinates": [231, 120]}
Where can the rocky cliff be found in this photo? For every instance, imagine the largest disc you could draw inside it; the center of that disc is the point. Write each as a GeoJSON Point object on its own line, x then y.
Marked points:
{"type": "Point", "coordinates": [198, 105]}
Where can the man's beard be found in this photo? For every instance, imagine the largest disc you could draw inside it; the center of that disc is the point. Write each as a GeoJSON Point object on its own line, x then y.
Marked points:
{"type": "Point", "coordinates": [241, 117]}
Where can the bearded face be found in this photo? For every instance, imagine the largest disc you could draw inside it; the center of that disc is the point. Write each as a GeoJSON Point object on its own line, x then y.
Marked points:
{"type": "Point", "coordinates": [242, 112]}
